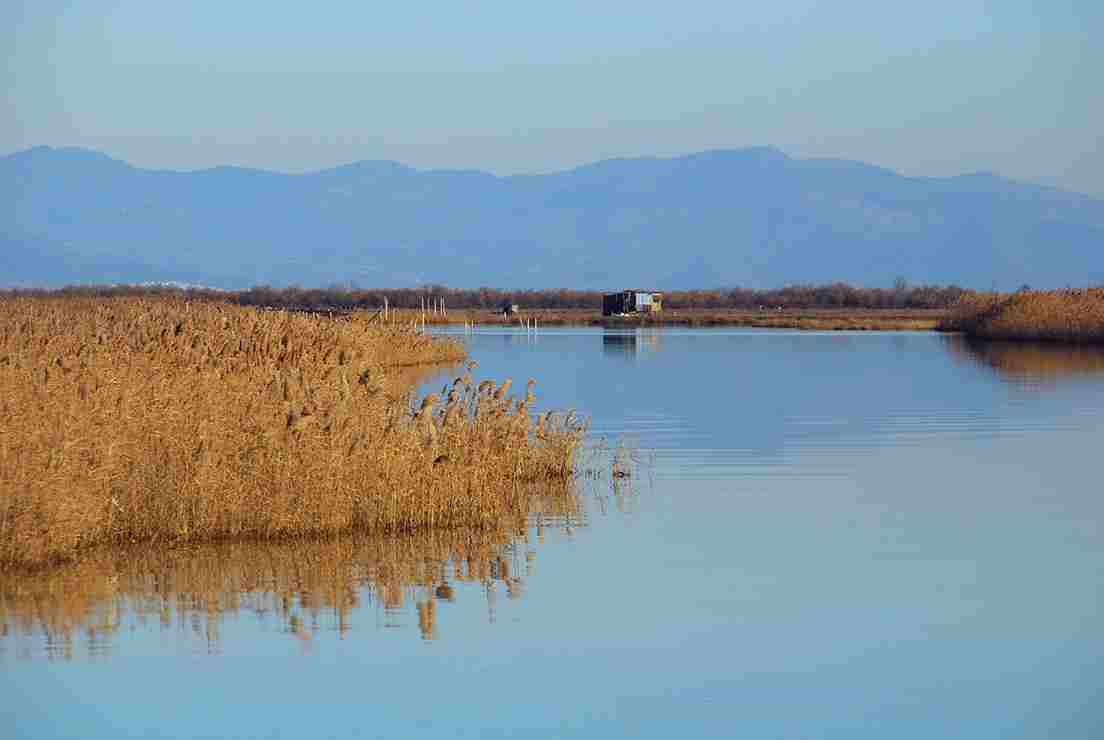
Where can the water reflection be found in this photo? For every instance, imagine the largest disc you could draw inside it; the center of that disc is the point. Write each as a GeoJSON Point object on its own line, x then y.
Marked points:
{"type": "Point", "coordinates": [295, 589]}
{"type": "Point", "coordinates": [890, 491]}
{"type": "Point", "coordinates": [1030, 361]}
{"type": "Point", "coordinates": [629, 344]}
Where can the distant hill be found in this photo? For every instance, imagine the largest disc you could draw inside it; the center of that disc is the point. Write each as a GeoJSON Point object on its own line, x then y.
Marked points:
{"type": "Point", "coordinates": [751, 217]}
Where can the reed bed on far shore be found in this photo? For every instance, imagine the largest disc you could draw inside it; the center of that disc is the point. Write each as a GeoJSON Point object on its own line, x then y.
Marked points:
{"type": "Point", "coordinates": [1075, 316]}
{"type": "Point", "coordinates": [127, 420]}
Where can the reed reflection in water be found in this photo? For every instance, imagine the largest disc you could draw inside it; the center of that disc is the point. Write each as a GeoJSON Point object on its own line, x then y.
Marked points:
{"type": "Point", "coordinates": [302, 587]}
{"type": "Point", "coordinates": [1030, 362]}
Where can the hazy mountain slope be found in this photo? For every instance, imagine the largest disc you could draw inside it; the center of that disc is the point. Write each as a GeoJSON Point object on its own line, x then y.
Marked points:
{"type": "Point", "coordinates": [751, 217]}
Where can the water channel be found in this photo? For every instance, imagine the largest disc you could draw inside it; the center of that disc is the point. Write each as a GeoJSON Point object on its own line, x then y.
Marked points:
{"type": "Point", "coordinates": [819, 535]}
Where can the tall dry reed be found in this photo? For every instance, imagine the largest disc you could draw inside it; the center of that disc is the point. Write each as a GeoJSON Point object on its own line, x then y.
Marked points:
{"type": "Point", "coordinates": [157, 420]}
{"type": "Point", "coordinates": [1055, 316]}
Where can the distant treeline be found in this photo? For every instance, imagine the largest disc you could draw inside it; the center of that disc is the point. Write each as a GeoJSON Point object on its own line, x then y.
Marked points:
{"type": "Point", "coordinates": [834, 295]}
{"type": "Point", "coordinates": [122, 291]}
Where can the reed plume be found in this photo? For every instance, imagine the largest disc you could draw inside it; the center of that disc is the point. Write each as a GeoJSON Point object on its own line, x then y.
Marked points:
{"type": "Point", "coordinates": [1074, 316]}
{"type": "Point", "coordinates": [158, 420]}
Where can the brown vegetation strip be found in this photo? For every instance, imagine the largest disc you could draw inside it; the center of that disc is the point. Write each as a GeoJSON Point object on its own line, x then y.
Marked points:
{"type": "Point", "coordinates": [1054, 316]}
{"type": "Point", "coordinates": [830, 296]}
{"type": "Point", "coordinates": [160, 420]}
{"type": "Point", "coordinates": [806, 319]}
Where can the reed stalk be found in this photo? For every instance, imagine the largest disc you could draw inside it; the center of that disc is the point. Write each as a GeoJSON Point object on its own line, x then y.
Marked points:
{"type": "Point", "coordinates": [1074, 316]}
{"type": "Point", "coordinates": [126, 420]}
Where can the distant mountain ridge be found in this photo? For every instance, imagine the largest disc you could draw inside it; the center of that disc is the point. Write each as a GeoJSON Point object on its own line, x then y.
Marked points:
{"type": "Point", "coordinates": [753, 217]}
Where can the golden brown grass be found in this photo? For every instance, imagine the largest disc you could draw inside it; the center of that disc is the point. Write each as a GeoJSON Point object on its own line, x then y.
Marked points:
{"type": "Point", "coordinates": [156, 420]}
{"type": "Point", "coordinates": [1054, 316]}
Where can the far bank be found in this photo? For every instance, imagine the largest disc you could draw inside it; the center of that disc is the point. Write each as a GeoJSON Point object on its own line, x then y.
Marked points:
{"type": "Point", "coordinates": [815, 319]}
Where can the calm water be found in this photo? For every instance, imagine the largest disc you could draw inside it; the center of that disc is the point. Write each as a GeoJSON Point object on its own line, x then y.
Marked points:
{"type": "Point", "coordinates": [825, 535]}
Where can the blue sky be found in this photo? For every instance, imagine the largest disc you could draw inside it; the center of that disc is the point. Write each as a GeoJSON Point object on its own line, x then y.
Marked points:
{"type": "Point", "coordinates": [933, 88]}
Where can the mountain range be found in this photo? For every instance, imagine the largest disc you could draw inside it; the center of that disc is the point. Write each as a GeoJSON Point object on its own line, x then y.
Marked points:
{"type": "Point", "coordinates": [751, 217]}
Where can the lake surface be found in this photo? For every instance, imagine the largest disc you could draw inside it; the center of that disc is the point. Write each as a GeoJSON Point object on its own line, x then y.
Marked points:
{"type": "Point", "coordinates": [823, 535]}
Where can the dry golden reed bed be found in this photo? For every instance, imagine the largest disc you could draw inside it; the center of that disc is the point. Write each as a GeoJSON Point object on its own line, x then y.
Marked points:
{"type": "Point", "coordinates": [1054, 316]}
{"type": "Point", "coordinates": [157, 420]}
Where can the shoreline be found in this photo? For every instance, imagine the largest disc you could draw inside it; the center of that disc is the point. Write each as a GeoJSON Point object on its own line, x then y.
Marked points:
{"type": "Point", "coordinates": [802, 319]}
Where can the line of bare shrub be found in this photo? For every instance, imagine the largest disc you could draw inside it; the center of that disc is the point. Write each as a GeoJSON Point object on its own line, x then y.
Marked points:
{"type": "Point", "coordinates": [163, 420]}
{"type": "Point", "coordinates": [831, 295]}
{"type": "Point", "coordinates": [336, 298]}
{"type": "Point", "coordinates": [1052, 316]}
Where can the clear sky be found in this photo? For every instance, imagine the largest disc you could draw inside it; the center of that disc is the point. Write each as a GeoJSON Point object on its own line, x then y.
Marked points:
{"type": "Point", "coordinates": [937, 87]}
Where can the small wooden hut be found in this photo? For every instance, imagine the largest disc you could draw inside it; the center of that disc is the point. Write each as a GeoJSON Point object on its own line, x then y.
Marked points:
{"type": "Point", "coordinates": [632, 302]}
